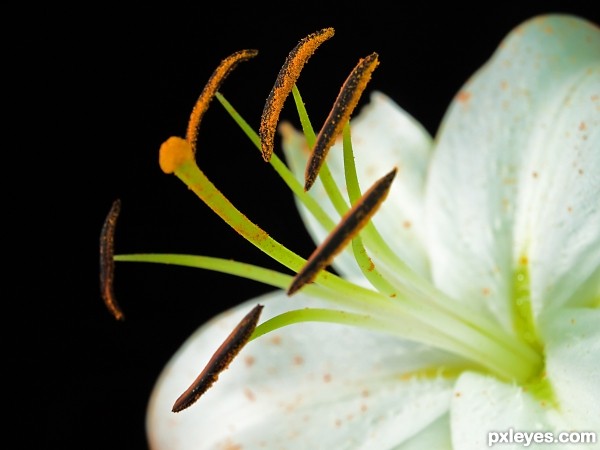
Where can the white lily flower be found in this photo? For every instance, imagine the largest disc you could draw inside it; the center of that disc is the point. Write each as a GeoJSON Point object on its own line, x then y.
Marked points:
{"type": "Point", "coordinates": [480, 311]}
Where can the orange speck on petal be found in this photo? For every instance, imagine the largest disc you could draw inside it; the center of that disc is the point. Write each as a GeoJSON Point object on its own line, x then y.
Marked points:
{"type": "Point", "coordinates": [327, 378]}
{"type": "Point", "coordinates": [463, 96]}
{"type": "Point", "coordinates": [249, 394]}
{"type": "Point", "coordinates": [249, 360]}
{"type": "Point", "coordinates": [229, 445]}
{"type": "Point", "coordinates": [582, 126]}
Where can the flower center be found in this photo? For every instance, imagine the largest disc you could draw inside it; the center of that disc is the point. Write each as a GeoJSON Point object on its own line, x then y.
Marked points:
{"type": "Point", "coordinates": [522, 310]}
{"type": "Point", "coordinates": [399, 301]}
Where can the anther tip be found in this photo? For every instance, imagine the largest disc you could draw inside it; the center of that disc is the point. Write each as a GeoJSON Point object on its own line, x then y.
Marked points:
{"type": "Point", "coordinates": [174, 152]}
{"type": "Point", "coordinates": [107, 263]}
{"type": "Point", "coordinates": [221, 359]}
{"type": "Point", "coordinates": [308, 184]}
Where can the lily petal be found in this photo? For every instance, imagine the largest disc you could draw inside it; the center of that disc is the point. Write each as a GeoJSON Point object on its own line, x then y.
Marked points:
{"type": "Point", "coordinates": [573, 352]}
{"type": "Point", "coordinates": [383, 136]}
{"type": "Point", "coordinates": [435, 436]}
{"type": "Point", "coordinates": [512, 125]}
{"type": "Point", "coordinates": [559, 211]}
{"type": "Point", "coordinates": [483, 404]}
{"type": "Point", "coordinates": [309, 385]}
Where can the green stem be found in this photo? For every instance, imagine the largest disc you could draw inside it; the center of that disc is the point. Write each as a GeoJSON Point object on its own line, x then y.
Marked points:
{"type": "Point", "coordinates": [286, 174]}
{"type": "Point", "coordinates": [331, 188]}
{"type": "Point", "coordinates": [315, 315]}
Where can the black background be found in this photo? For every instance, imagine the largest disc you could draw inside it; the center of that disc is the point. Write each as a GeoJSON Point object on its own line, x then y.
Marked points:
{"type": "Point", "coordinates": [97, 91]}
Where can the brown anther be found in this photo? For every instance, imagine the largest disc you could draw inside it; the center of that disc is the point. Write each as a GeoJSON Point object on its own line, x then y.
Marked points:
{"type": "Point", "coordinates": [351, 224]}
{"type": "Point", "coordinates": [212, 86]}
{"type": "Point", "coordinates": [342, 109]}
{"type": "Point", "coordinates": [287, 77]}
{"type": "Point", "coordinates": [107, 263]}
{"type": "Point", "coordinates": [228, 350]}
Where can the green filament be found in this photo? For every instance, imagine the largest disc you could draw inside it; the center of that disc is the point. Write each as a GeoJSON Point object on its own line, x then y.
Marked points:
{"type": "Point", "coordinates": [405, 304]}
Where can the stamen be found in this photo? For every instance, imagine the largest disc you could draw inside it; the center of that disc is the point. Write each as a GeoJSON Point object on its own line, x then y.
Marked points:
{"type": "Point", "coordinates": [342, 109]}
{"type": "Point", "coordinates": [107, 263]}
{"type": "Point", "coordinates": [364, 261]}
{"type": "Point", "coordinates": [357, 217]}
{"type": "Point", "coordinates": [329, 184]}
{"type": "Point", "coordinates": [287, 77]}
{"type": "Point", "coordinates": [209, 91]}
{"type": "Point", "coordinates": [174, 153]}
{"type": "Point", "coordinates": [317, 315]}
{"type": "Point", "coordinates": [176, 157]}
{"type": "Point", "coordinates": [228, 350]}
{"type": "Point", "coordinates": [282, 170]}
{"type": "Point", "coordinates": [360, 299]}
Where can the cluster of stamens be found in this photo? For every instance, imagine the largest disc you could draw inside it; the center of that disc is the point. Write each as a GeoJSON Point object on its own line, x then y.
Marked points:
{"type": "Point", "coordinates": [410, 308]}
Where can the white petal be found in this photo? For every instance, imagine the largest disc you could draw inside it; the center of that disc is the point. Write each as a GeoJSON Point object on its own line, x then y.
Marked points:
{"type": "Point", "coordinates": [435, 436]}
{"type": "Point", "coordinates": [384, 136]}
{"type": "Point", "coordinates": [482, 405]}
{"type": "Point", "coordinates": [309, 385]}
{"type": "Point", "coordinates": [573, 366]}
{"type": "Point", "coordinates": [508, 126]}
{"type": "Point", "coordinates": [559, 210]}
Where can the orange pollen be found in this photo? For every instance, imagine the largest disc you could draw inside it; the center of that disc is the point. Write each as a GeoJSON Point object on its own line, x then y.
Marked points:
{"type": "Point", "coordinates": [287, 77]}
{"type": "Point", "coordinates": [211, 88]}
{"type": "Point", "coordinates": [174, 152]}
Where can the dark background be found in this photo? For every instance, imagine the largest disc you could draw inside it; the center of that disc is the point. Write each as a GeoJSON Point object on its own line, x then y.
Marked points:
{"type": "Point", "coordinates": [98, 91]}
